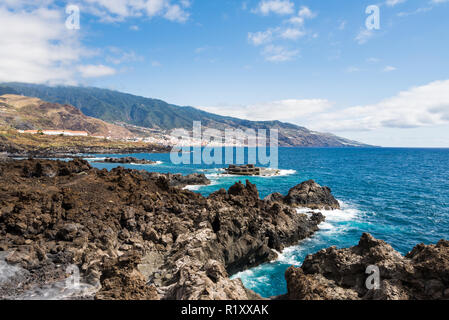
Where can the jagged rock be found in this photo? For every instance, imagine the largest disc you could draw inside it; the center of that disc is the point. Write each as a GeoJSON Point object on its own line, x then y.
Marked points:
{"type": "Point", "coordinates": [335, 274]}
{"type": "Point", "coordinates": [198, 281]}
{"type": "Point", "coordinates": [135, 234]}
{"type": "Point", "coordinates": [4, 157]}
{"type": "Point", "coordinates": [275, 197]}
{"type": "Point", "coordinates": [180, 181]}
{"type": "Point", "coordinates": [122, 281]}
{"type": "Point", "coordinates": [311, 195]}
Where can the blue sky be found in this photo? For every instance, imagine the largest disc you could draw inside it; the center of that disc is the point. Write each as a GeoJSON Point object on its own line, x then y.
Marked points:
{"type": "Point", "coordinates": [313, 63]}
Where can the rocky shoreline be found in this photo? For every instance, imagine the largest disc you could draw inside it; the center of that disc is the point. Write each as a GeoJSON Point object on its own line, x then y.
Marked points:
{"type": "Point", "coordinates": [138, 235]}
{"type": "Point", "coordinates": [59, 153]}
{"type": "Point", "coordinates": [132, 234]}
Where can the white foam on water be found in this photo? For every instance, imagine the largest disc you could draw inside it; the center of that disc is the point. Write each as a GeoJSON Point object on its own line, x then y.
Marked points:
{"type": "Point", "coordinates": [196, 187]}
{"type": "Point", "coordinates": [243, 274]}
{"type": "Point", "coordinates": [294, 255]}
{"type": "Point", "coordinates": [145, 164]}
{"type": "Point", "coordinates": [332, 225]}
{"type": "Point", "coordinates": [288, 256]}
{"type": "Point", "coordinates": [327, 226]}
{"type": "Point", "coordinates": [59, 291]}
{"type": "Point", "coordinates": [345, 213]}
{"type": "Point", "coordinates": [53, 291]}
{"type": "Point", "coordinates": [250, 278]}
{"type": "Point", "coordinates": [95, 159]}
{"type": "Point", "coordinates": [213, 176]}
{"type": "Point", "coordinates": [193, 187]}
{"type": "Point", "coordinates": [8, 271]}
{"type": "Point", "coordinates": [286, 172]}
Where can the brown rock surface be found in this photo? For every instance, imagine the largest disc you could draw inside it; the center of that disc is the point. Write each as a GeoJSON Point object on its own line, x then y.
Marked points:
{"type": "Point", "coordinates": [133, 234]}
{"type": "Point", "coordinates": [307, 194]}
{"type": "Point", "coordinates": [339, 274]}
{"type": "Point", "coordinates": [311, 195]}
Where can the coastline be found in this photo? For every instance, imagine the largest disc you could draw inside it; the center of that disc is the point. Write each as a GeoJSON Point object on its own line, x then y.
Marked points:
{"type": "Point", "coordinates": [161, 234]}
{"type": "Point", "coordinates": [81, 152]}
{"type": "Point", "coordinates": [134, 234]}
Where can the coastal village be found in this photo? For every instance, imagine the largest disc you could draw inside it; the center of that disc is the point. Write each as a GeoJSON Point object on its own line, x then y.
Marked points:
{"type": "Point", "coordinates": [153, 136]}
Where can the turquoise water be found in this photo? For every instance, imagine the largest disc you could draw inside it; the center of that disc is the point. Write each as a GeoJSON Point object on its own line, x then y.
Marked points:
{"type": "Point", "coordinates": [398, 195]}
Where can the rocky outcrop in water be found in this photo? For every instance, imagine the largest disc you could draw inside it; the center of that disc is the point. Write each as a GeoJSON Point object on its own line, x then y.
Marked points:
{"type": "Point", "coordinates": [132, 235]}
{"type": "Point", "coordinates": [308, 194]}
{"type": "Point", "coordinates": [337, 274]}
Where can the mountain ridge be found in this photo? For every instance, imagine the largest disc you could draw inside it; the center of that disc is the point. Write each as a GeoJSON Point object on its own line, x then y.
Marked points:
{"type": "Point", "coordinates": [113, 106]}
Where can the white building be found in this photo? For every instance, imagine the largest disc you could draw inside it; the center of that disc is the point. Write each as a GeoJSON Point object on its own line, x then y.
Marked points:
{"type": "Point", "coordinates": [57, 132]}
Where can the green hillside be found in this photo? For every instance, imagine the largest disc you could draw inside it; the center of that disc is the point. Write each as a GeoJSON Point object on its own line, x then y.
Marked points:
{"type": "Point", "coordinates": [114, 106]}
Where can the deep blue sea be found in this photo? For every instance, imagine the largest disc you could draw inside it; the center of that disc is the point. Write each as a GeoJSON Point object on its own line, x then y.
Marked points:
{"type": "Point", "coordinates": [398, 195]}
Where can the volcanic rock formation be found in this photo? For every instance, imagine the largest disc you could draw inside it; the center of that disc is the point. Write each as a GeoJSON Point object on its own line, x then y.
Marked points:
{"type": "Point", "coordinates": [132, 235]}
{"type": "Point", "coordinates": [340, 274]}
{"type": "Point", "coordinates": [308, 194]}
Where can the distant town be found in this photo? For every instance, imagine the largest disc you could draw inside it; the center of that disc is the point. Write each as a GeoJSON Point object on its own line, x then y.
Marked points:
{"type": "Point", "coordinates": [159, 137]}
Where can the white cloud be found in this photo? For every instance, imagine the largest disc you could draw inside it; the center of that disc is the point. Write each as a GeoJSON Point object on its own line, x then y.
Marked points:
{"type": "Point", "coordinates": [292, 34]}
{"type": "Point", "coordinates": [352, 69]}
{"type": "Point", "coordinates": [342, 25]}
{"type": "Point", "coordinates": [118, 56]}
{"type": "Point", "coordinates": [274, 53]}
{"type": "Point", "coordinates": [303, 14]}
{"type": "Point", "coordinates": [363, 36]}
{"type": "Point", "coordinates": [200, 49]}
{"type": "Point", "coordinates": [389, 69]}
{"type": "Point", "coordinates": [284, 110]}
{"type": "Point", "coordinates": [268, 36]}
{"type": "Point", "coordinates": [260, 37]}
{"type": "Point", "coordinates": [417, 11]}
{"type": "Point", "coordinates": [422, 110]}
{"type": "Point", "coordinates": [372, 60]}
{"type": "Point", "coordinates": [291, 29]}
{"type": "Point", "coordinates": [36, 47]}
{"type": "Point", "coordinates": [422, 106]}
{"type": "Point", "coordinates": [185, 3]}
{"type": "Point", "coordinates": [93, 71]}
{"type": "Point", "coordinates": [119, 10]}
{"type": "Point", "coordinates": [392, 3]}
{"type": "Point", "coordinates": [431, 5]}
{"type": "Point", "coordinates": [281, 7]}
{"type": "Point", "coordinates": [176, 13]}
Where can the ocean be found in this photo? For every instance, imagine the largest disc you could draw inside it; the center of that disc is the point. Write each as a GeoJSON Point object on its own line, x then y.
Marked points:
{"type": "Point", "coordinates": [398, 195]}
